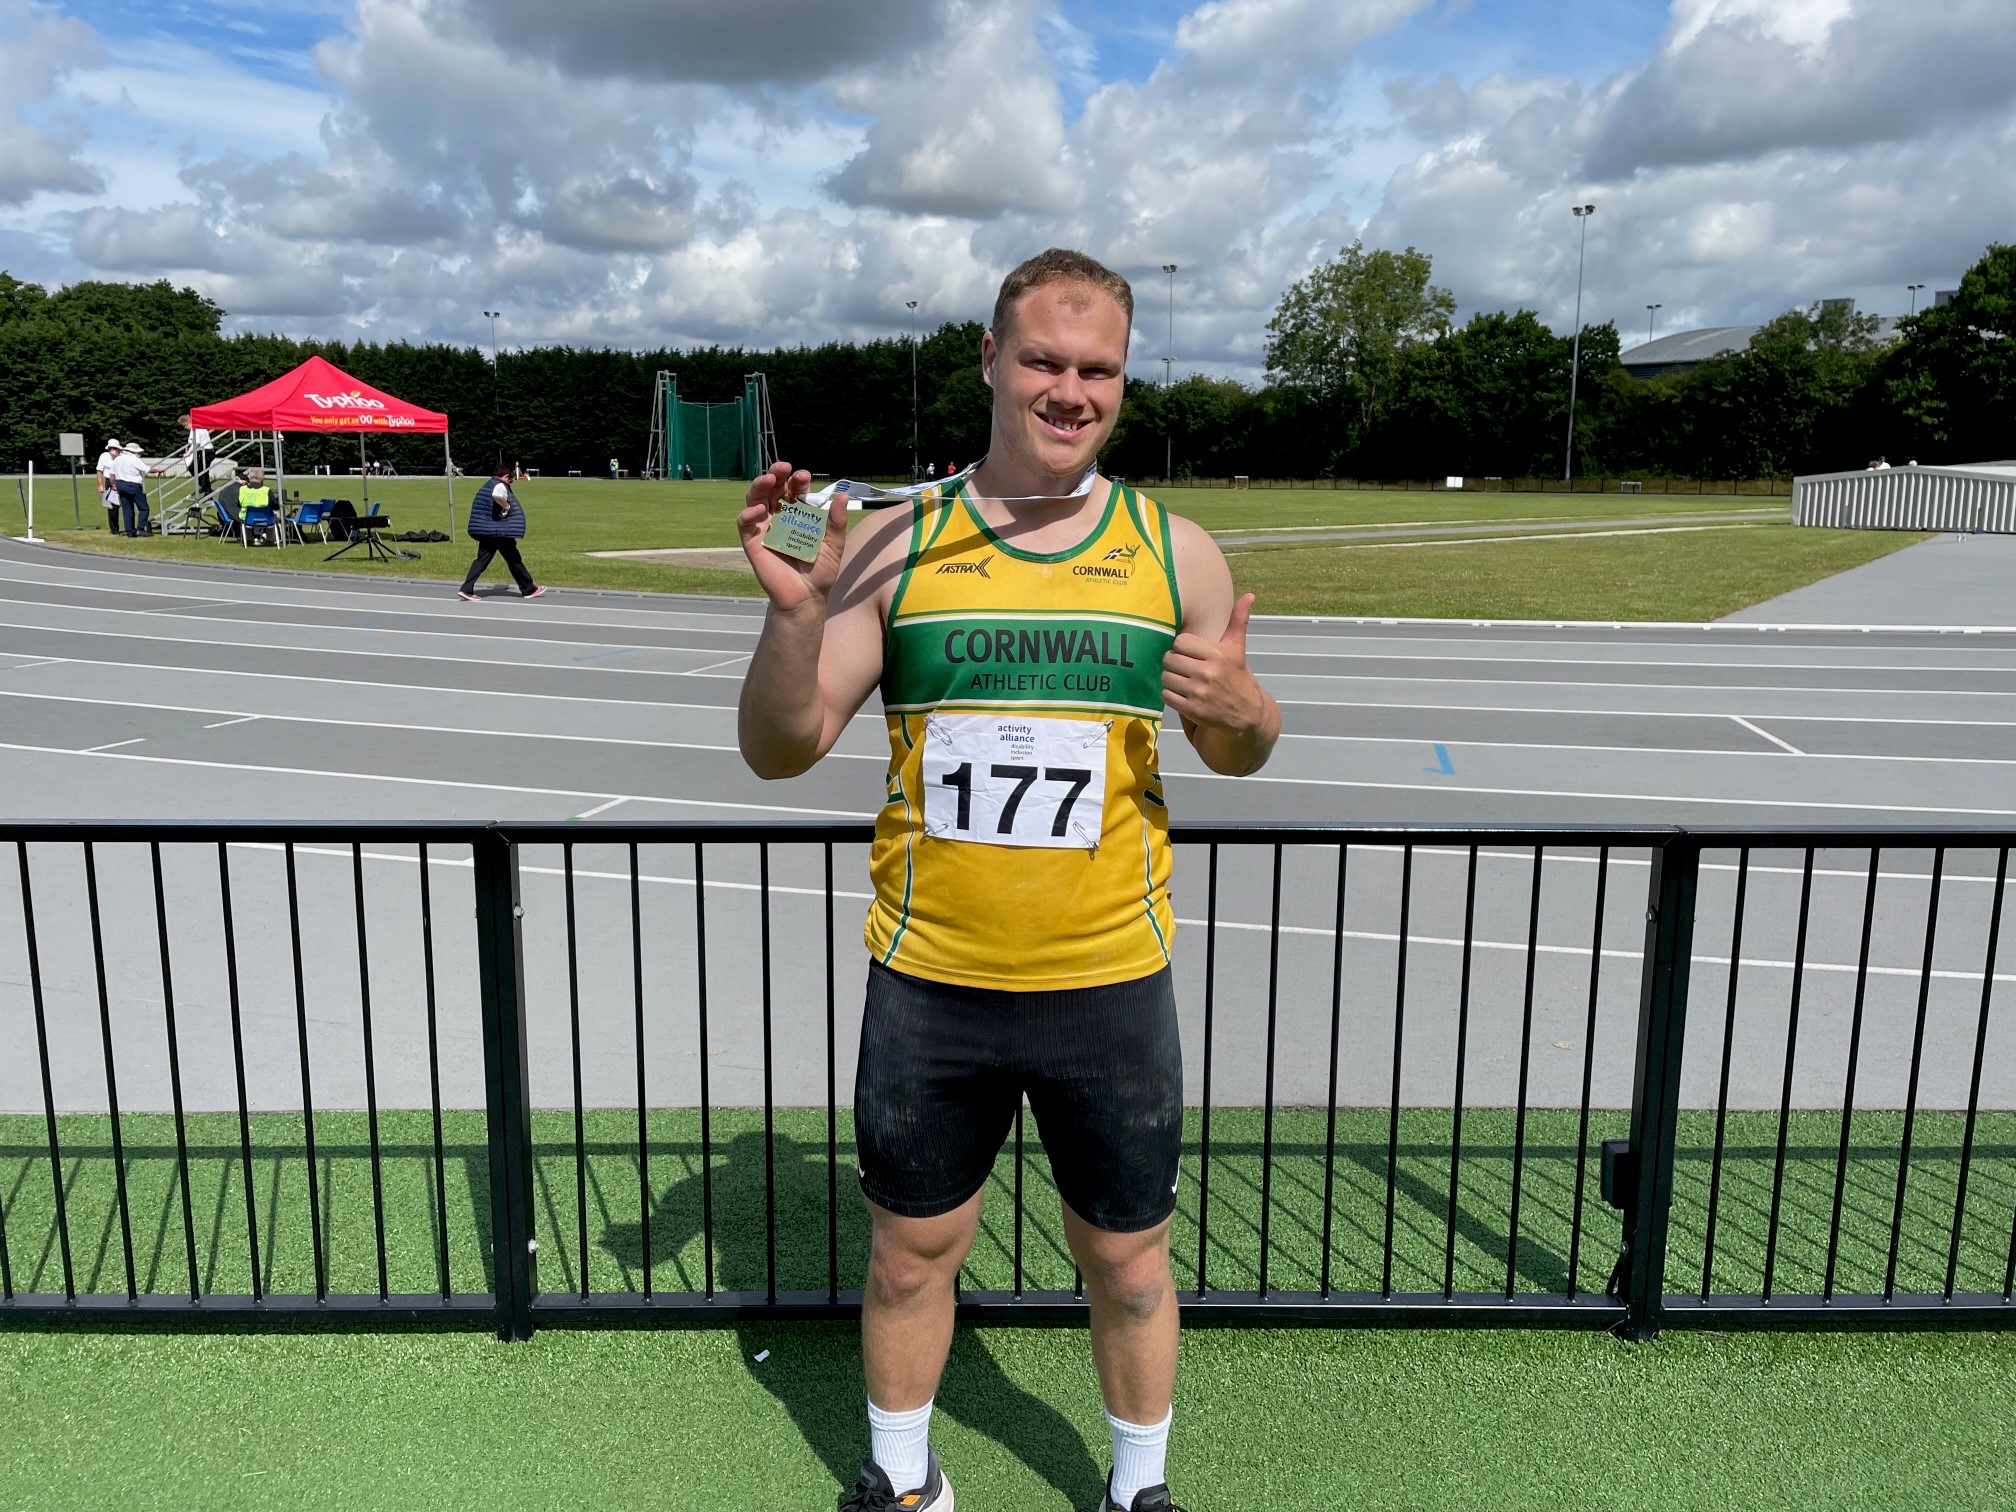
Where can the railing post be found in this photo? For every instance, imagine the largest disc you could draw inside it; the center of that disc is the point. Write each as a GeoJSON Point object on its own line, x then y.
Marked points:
{"type": "Point", "coordinates": [508, 1096]}
{"type": "Point", "coordinates": [1655, 1082]}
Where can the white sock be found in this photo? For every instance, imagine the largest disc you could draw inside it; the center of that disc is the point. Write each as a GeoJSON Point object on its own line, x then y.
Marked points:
{"type": "Point", "coordinates": [898, 1443]}
{"type": "Point", "coordinates": [1139, 1452]}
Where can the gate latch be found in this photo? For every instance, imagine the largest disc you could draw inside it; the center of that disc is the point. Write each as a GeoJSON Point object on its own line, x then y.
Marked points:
{"type": "Point", "coordinates": [1620, 1174]}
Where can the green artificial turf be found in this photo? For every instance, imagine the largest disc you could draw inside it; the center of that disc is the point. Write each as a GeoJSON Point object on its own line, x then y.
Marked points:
{"type": "Point", "coordinates": [1264, 1418]}
{"type": "Point", "coordinates": [1657, 576]}
{"type": "Point", "coordinates": [688, 1417]}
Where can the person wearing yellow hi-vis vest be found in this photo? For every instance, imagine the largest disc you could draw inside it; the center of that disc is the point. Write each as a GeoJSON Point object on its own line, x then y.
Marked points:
{"type": "Point", "coordinates": [1027, 622]}
{"type": "Point", "coordinates": [247, 492]}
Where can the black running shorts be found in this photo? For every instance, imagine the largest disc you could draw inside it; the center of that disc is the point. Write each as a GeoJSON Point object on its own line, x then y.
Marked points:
{"type": "Point", "coordinates": [943, 1069]}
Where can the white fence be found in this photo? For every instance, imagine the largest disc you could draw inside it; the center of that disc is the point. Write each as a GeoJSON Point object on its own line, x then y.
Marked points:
{"type": "Point", "coordinates": [1980, 499]}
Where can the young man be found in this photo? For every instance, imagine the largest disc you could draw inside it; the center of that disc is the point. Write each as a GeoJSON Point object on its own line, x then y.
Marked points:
{"type": "Point", "coordinates": [1026, 626]}
{"type": "Point", "coordinates": [497, 525]}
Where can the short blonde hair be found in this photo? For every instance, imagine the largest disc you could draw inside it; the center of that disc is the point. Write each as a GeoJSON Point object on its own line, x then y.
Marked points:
{"type": "Point", "coordinates": [1059, 265]}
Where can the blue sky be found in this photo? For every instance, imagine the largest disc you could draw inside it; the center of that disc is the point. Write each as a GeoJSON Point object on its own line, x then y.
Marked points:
{"type": "Point", "coordinates": [644, 171]}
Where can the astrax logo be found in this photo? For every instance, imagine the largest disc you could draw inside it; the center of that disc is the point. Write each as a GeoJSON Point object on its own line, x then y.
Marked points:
{"type": "Point", "coordinates": [978, 568]}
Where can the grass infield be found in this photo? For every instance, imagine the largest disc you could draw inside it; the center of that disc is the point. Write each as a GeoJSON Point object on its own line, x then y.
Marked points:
{"type": "Point", "coordinates": [1694, 575]}
{"type": "Point", "coordinates": [689, 1417]}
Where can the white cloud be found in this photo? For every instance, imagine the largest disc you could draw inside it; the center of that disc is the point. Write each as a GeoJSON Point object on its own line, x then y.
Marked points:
{"type": "Point", "coordinates": [38, 47]}
{"type": "Point", "coordinates": [1735, 78]}
{"type": "Point", "coordinates": [640, 172]}
{"type": "Point", "coordinates": [975, 130]}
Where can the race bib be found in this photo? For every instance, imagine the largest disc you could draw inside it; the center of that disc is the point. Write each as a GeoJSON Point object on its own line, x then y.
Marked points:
{"type": "Point", "coordinates": [1008, 781]}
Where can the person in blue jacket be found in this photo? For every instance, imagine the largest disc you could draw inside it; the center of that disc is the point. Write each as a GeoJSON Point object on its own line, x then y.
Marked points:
{"type": "Point", "coordinates": [497, 525]}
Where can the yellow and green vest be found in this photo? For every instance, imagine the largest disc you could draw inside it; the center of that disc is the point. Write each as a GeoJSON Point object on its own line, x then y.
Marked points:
{"type": "Point", "coordinates": [1001, 666]}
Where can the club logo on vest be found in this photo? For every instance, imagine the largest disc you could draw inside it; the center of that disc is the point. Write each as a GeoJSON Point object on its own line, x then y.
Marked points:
{"type": "Point", "coordinates": [1116, 566]}
{"type": "Point", "coordinates": [978, 568]}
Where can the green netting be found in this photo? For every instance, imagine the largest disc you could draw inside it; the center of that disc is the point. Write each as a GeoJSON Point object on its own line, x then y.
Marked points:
{"type": "Point", "coordinates": [708, 438]}
{"type": "Point", "coordinates": [719, 440]}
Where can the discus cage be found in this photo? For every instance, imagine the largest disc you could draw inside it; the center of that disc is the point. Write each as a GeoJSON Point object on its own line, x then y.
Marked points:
{"type": "Point", "coordinates": [732, 438]}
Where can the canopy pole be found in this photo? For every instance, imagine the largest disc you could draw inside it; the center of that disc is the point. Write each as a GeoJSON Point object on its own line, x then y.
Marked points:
{"type": "Point", "coordinates": [448, 472]}
{"type": "Point", "coordinates": [280, 471]}
{"type": "Point", "coordinates": [363, 471]}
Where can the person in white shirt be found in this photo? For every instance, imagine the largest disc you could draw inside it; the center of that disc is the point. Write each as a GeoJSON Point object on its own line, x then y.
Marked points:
{"type": "Point", "coordinates": [129, 472]}
{"type": "Point", "coordinates": [108, 486]}
{"type": "Point", "coordinates": [200, 454]}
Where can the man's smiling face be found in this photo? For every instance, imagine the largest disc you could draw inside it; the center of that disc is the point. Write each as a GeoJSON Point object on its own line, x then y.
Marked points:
{"type": "Point", "coordinates": [1057, 374]}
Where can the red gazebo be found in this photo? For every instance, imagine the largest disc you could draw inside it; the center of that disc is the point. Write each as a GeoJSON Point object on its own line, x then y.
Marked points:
{"type": "Point", "coordinates": [319, 396]}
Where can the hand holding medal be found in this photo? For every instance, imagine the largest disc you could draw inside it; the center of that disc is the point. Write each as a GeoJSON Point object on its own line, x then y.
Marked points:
{"type": "Point", "coordinates": [793, 545]}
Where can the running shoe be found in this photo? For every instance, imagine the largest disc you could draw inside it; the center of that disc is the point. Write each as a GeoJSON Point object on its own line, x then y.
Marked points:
{"type": "Point", "coordinates": [873, 1493]}
{"type": "Point", "coordinates": [536, 591]}
{"type": "Point", "coordinates": [464, 593]}
{"type": "Point", "coordinates": [1147, 1499]}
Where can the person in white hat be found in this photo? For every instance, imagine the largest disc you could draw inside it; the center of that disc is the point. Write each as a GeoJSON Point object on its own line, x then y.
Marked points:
{"type": "Point", "coordinates": [108, 487]}
{"type": "Point", "coordinates": [129, 473]}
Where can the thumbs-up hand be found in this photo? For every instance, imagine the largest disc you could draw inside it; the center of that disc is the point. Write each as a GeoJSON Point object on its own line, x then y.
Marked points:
{"type": "Point", "coordinates": [1207, 681]}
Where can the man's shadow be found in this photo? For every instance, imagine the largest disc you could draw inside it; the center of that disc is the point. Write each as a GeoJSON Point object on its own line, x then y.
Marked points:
{"type": "Point", "coordinates": [814, 1369]}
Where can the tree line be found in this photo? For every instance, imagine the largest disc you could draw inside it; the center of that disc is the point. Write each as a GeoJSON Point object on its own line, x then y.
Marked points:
{"type": "Point", "coordinates": [1368, 376]}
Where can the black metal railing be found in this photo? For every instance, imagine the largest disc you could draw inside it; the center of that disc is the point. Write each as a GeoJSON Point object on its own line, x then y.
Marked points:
{"type": "Point", "coordinates": [528, 1075]}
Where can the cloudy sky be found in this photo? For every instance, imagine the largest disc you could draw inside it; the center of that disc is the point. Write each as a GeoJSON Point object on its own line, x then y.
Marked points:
{"type": "Point", "coordinates": [637, 172]}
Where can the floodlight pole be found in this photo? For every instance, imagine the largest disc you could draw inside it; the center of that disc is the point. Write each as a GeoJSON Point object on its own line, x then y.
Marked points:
{"type": "Point", "coordinates": [1650, 316]}
{"type": "Point", "coordinates": [1914, 288]}
{"type": "Point", "coordinates": [1168, 368]}
{"type": "Point", "coordinates": [1582, 214]}
{"type": "Point", "coordinates": [496, 437]}
{"type": "Point", "coordinates": [911, 305]}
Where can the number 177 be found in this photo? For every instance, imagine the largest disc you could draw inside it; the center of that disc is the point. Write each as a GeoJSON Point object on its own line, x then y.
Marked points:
{"type": "Point", "coordinates": [1075, 780]}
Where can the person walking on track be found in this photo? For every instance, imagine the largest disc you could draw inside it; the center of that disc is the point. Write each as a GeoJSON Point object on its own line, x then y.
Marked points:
{"type": "Point", "coordinates": [497, 525]}
{"type": "Point", "coordinates": [1026, 625]}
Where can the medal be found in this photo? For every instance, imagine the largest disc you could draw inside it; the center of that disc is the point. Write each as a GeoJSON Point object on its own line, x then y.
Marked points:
{"type": "Point", "coordinates": [798, 530]}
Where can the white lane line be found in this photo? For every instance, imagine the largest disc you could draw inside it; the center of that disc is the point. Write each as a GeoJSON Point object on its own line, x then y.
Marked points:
{"type": "Point", "coordinates": [717, 666]}
{"type": "Point", "coordinates": [1465, 708]}
{"type": "Point", "coordinates": [94, 750]}
{"type": "Point", "coordinates": [488, 732]}
{"type": "Point", "coordinates": [1317, 931]}
{"type": "Point", "coordinates": [375, 602]}
{"type": "Point", "coordinates": [377, 689]}
{"type": "Point", "coordinates": [1726, 627]}
{"type": "Point", "coordinates": [440, 782]}
{"type": "Point", "coordinates": [1786, 745]}
{"type": "Point", "coordinates": [1646, 687]}
{"type": "Point", "coordinates": [1545, 745]}
{"type": "Point", "coordinates": [491, 661]}
{"type": "Point", "coordinates": [22, 666]}
{"type": "Point", "coordinates": [398, 653]}
{"type": "Point", "coordinates": [242, 624]}
{"type": "Point", "coordinates": [1505, 792]}
{"type": "Point", "coordinates": [1621, 641]}
{"type": "Point", "coordinates": [2009, 669]}
{"type": "Point", "coordinates": [1734, 628]}
{"type": "Point", "coordinates": [876, 715]}
{"type": "Point", "coordinates": [601, 808]}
